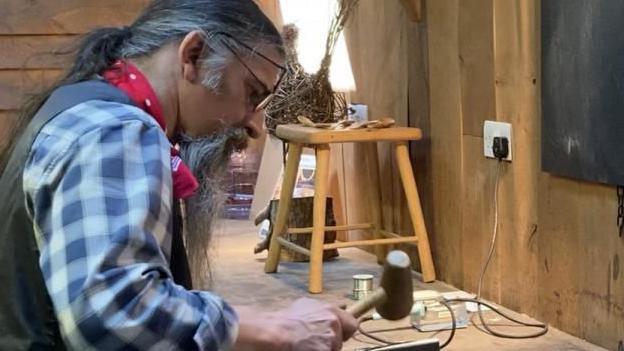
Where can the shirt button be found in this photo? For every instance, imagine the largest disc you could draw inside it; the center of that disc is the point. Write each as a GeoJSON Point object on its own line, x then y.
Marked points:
{"type": "Point", "coordinates": [148, 102]}
{"type": "Point", "coordinates": [133, 76]}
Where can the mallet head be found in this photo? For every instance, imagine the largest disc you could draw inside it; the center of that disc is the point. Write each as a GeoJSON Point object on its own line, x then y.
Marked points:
{"type": "Point", "coordinates": [396, 281]}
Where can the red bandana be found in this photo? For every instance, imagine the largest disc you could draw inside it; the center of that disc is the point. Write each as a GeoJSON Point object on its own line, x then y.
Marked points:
{"type": "Point", "coordinates": [126, 77]}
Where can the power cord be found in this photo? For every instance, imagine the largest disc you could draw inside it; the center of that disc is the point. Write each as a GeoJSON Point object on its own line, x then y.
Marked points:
{"type": "Point", "coordinates": [386, 342]}
{"type": "Point", "coordinates": [501, 150]}
{"type": "Point", "coordinates": [453, 323]}
{"type": "Point", "coordinates": [477, 299]}
{"type": "Point", "coordinates": [371, 336]}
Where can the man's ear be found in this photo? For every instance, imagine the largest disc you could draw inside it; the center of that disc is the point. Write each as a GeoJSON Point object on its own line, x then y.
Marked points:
{"type": "Point", "coordinates": [189, 53]}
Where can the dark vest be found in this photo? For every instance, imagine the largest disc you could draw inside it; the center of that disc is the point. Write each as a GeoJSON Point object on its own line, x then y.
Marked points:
{"type": "Point", "coordinates": [27, 317]}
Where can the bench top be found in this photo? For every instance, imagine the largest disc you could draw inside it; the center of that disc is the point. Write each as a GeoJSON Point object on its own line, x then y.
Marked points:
{"type": "Point", "coordinates": [308, 135]}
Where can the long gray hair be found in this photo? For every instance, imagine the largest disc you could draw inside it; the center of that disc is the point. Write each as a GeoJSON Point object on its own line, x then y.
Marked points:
{"type": "Point", "coordinates": [161, 23]}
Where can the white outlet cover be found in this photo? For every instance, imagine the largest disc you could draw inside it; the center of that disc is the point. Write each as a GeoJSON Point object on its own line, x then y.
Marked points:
{"type": "Point", "coordinates": [492, 129]}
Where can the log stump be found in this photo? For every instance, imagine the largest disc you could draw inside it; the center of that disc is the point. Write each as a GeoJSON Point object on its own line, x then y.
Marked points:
{"type": "Point", "coordinates": [300, 216]}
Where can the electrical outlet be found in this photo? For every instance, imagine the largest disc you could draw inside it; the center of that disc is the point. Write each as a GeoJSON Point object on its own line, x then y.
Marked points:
{"type": "Point", "coordinates": [492, 129]}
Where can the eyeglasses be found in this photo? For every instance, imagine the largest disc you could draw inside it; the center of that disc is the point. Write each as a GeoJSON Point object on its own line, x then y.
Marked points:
{"type": "Point", "coordinates": [259, 102]}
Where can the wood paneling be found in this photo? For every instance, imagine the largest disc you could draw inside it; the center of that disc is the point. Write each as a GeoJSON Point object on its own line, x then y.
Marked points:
{"type": "Point", "coordinates": [65, 16]}
{"type": "Point", "coordinates": [476, 58]}
{"type": "Point", "coordinates": [580, 280]}
{"type": "Point", "coordinates": [558, 254]}
{"type": "Point", "coordinates": [446, 138]}
{"type": "Point", "coordinates": [601, 287]}
{"type": "Point", "coordinates": [31, 52]}
{"type": "Point", "coordinates": [477, 104]}
{"type": "Point", "coordinates": [15, 84]}
{"type": "Point", "coordinates": [516, 67]}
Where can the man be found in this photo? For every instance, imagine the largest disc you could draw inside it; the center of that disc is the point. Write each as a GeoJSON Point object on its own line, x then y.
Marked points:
{"type": "Point", "coordinates": [145, 119]}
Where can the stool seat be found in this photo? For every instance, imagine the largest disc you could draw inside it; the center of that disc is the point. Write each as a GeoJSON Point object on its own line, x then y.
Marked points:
{"type": "Point", "coordinates": [298, 137]}
{"type": "Point", "coordinates": [311, 136]}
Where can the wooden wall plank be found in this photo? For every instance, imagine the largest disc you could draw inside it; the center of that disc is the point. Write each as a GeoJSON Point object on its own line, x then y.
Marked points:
{"type": "Point", "coordinates": [581, 287]}
{"type": "Point", "coordinates": [15, 84]}
{"type": "Point", "coordinates": [559, 253]}
{"type": "Point", "coordinates": [35, 51]}
{"type": "Point", "coordinates": [476, 56]}
{"type": "Point", "coordinates": [445, 113]}
{"type": "Point", "coordinates": [65, 16]}
{"type": "Point", "coordinates": [476, 46]}
{"type": "Point", "coordinates": [516, 69]}
{"type": "Point", "coordinates": [601, 289]}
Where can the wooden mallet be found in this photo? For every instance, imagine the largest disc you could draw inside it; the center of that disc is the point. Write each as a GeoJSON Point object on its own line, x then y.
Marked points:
{"type": "Point", "coordinates": [393, 299]}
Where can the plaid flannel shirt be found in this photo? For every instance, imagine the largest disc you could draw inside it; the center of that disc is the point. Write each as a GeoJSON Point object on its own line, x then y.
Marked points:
{"type": "Point", "coordinates": [99, 189]}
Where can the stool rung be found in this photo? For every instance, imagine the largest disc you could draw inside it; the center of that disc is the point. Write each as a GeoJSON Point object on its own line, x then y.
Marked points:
{"type": "Point", "coordinates": [369, 242]}
{"type": "Point", "coordinates": [390, 234]}
{"type": "Point", "coordinates": [287, 244]}
{"type": "Point", "coordinates": [308, 230]}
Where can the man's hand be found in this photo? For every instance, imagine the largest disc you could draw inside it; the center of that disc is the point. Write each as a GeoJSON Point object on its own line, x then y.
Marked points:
{"type": "Point", "coordinates": [306, 325]}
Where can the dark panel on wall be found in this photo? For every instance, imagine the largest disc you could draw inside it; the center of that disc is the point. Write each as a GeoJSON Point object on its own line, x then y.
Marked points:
{"type": "Point", "coordinates": [583, 89]}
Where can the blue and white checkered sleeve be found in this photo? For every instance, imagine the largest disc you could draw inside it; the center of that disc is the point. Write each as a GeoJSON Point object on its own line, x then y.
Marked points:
{"type": "Point", "coordinates": [102, 211]}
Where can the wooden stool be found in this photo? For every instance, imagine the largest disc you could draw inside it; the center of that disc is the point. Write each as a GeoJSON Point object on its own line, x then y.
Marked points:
{"type": "Point", "coordinates": [297, 137]}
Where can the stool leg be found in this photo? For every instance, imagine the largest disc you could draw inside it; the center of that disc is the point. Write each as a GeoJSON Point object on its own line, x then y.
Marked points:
{"type": "Point", "coordinates": [374, 197]}
{"type": "Point", "coordinates": [318, 227]}
{"type": "Point", "coordinates": [413, 204]}
{"type": "Point", "coordinates": [281, 222]}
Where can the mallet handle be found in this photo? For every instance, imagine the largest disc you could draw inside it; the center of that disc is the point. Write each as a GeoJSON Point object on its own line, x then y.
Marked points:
{"type": "Point", "coordinates": [376, 298]}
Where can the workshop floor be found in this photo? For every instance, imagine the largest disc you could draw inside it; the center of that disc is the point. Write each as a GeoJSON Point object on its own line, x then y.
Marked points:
{"type": "Point", "coordinates": [240, 278]}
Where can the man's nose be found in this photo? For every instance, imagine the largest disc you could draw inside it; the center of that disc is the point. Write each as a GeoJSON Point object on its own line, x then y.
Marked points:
{"type": "Point", "coordinates": [255, 124]}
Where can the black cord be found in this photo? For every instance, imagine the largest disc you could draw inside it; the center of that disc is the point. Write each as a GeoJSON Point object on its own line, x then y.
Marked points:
{"type": "Point", "coordinates": [480, 302]}
{"type": "Point", "coordinates": [371, 336]}
{"type": "Point", "coordinates": [453, 326]}
{"type": "Point", "coordinates": [388, 342]}
{"type": "Point", "coordinates": [477, 299]}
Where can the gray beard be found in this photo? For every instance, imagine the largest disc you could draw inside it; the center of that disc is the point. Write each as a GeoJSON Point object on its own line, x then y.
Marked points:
{"type": "Point", "coordinates": [208, 159]}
